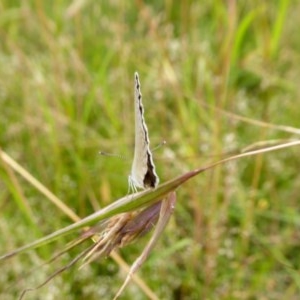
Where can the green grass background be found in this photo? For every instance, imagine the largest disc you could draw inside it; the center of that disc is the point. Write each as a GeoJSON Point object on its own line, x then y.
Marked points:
{"type": "Point", "coordinates": [66, 92]}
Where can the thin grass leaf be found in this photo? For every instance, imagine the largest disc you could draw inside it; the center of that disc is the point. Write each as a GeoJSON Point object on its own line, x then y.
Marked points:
{"type": "Point", "coordinates": [57, 272]}
{"type": "Point", "coordinates": [278, 27]}
{"type": "Point", "coordinates": [138, 200]}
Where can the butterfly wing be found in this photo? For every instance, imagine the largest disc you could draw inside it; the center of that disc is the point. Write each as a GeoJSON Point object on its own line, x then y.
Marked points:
{"type": "Point", "coordinates": [143, 173]}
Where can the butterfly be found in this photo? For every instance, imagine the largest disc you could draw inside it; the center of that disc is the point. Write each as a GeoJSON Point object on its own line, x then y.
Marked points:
{"type": "Point", "coordinates": [143, 173]}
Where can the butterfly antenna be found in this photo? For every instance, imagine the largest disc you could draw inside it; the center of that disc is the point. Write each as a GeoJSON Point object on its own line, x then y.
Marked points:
{"type": "Point", "coordinates": [162, 143]}
{"type": "Point", "coordinates": [112, 155]}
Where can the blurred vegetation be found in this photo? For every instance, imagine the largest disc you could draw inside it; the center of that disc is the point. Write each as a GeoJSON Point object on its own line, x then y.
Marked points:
{"type": "Point", "coordinates": [66, 92]}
